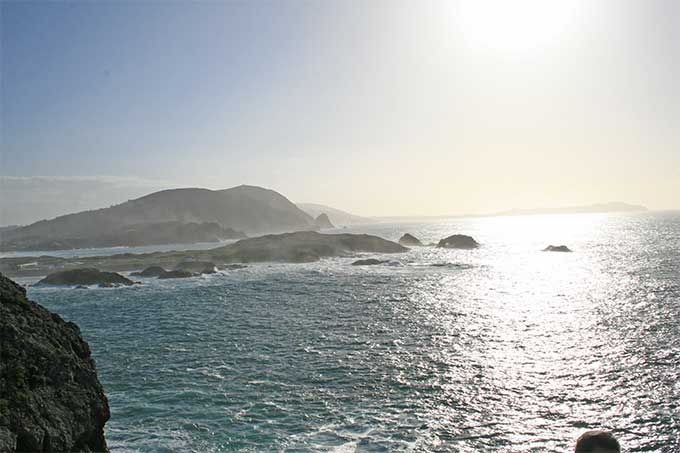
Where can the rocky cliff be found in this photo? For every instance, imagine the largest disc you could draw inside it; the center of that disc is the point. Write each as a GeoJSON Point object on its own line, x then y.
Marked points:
{"type": "Point", "coordinates": [50, 397]}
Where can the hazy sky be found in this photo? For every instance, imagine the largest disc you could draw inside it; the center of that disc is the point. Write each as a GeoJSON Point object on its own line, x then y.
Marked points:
{"type": "Point", "coordinates": [379, 108]}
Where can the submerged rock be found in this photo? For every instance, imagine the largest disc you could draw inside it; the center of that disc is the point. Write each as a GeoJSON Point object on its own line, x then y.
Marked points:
{"type": "Point", "coordinates": [557, 248]}
{"type": "Point", "coordinates": [322, 222]}
{"type": "Point", "coordinates": [50, 397]}
{"type": "Point", "coordinates": [409, 240]}
{"type": "Point", "coordinates": [88, 276]}
{"type": "Point", "coordinates": [368, 262]}
{"type": "Point", "coordinates": [458, 241]}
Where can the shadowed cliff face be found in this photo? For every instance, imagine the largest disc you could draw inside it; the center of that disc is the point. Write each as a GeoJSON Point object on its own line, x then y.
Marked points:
{"type": "Point", "coordinates": [50, 397]}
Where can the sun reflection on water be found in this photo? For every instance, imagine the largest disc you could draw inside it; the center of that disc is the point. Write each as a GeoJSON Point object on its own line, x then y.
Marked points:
{"type": "Point", "coordinates": [503, 348]}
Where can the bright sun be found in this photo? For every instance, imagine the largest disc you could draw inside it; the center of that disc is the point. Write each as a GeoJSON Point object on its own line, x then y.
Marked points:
{"type": "Point", "coordinates": [516, 25]}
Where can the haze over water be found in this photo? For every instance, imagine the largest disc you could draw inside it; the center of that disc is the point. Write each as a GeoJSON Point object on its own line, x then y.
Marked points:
{"type": "Point", "coordinates": [503, 348]}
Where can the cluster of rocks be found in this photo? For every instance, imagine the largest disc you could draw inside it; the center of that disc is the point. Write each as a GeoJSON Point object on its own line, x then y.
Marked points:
{"type": "Point", "coordinates": [455, 241]}
{"type": "Point", "coordinates": [184, 269]}
{"type": "Point", "coordinates": [462, 241]}
{"type": "Point", "coordinates": [82, 278]}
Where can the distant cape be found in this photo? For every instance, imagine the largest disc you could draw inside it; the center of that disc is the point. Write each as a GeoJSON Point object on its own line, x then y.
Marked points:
{"type": "Point", "coordinates": [336, 216]}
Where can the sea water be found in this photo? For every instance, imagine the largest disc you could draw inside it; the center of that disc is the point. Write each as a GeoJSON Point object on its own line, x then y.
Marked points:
{"type": "Point", "coordinates": [504, 348]}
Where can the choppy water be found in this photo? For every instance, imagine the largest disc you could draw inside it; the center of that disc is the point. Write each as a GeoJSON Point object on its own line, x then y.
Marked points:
{"type": "Point", "coordinates": [504, 348]}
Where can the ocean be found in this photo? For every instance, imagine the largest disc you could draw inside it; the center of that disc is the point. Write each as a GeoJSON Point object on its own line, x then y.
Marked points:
{"type": "Point", "coordinates": [504, 348]}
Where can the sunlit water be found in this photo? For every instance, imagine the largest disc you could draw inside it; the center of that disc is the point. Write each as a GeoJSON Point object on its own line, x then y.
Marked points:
{"type": "Point", "coordinates": [505, 348]}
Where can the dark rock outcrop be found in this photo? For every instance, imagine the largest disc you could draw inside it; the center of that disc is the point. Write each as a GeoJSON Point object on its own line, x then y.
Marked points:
{"type": "Point", "coordinates": [197, 267]}
{"type": "Point", "coordinates": [557, 248]}
{"type": "Point", "coordinates": [322, 222]}
{"type": "Point", "coordinates": [368, 262]}
{"type": "Point", "coordinates": [50, 397]}
{"type": "Point", "coordinates": [302, 247]}
{"type": "Point", "coordinates": [87, 276]}
{"type": "Point", "coordinates": [185, 269]}
{"type": "Point", "coordinates": [408, 240]}
{"type": "Point", "coordinates": [176, 274]}
{"type": "Point", "coordinates": [152, 271]}
{"type": "Point", "coordinates": [458, 241]}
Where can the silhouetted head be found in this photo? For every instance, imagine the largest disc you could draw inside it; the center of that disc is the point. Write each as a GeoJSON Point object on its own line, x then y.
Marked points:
{"type": "Point", "coordinates": [597, 442]}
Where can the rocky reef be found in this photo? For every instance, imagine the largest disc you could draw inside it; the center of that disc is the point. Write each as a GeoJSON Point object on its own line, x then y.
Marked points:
{"type": "Point", "coordinates": [50, 397]}
{"type": "Point", "coordinates": [151, 271]}
{"type": "Point", "coordinates": [302, 247]}
{"type": "Point", "coordinates": [185, 269]}
{"type": "Point", "coordinates": [176, 274]}
{"type": "Point", "coordinates": [197, 267]}
{"type": "Point", "coordinates": [458, 241]}
{"type": "Point", "coordinates": [557, 248]}
{"type": "Point", "coordinates": [298, 247]}
{"type": "Point", "coordinates": [87, 276]}
{"type": "Point", "coordinates": [408, 240]}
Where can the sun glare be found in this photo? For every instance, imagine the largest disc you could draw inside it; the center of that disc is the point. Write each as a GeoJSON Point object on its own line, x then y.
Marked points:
{"type": "Point", "coordinates": [515, 26]}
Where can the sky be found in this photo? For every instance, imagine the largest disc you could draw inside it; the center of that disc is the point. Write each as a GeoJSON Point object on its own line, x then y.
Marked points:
{"type": "Point", "coordinates": [374, 107]}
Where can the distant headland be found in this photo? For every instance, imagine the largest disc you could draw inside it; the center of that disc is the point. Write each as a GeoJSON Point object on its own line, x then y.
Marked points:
{"type": "Point", "coordinates": [175, 216]}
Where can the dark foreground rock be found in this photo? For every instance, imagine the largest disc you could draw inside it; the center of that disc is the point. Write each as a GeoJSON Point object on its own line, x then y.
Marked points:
{"type": "Point", "coordinates": [408, 240]}
{"type": "Point", "coordinates": [368, 262]}
{"type": "Point", "coordinates": [50, 397]}
{"type": "Point", "coordinates": [557, 248]}
{"type": "Point", "coordinates": [88, 276]}
{"type": "Point", "coordinates": [197, 267]}
{"type": "Point", "coordinates": [322, 222]}
{"type": "Point", "coordinates": [458, 241]}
